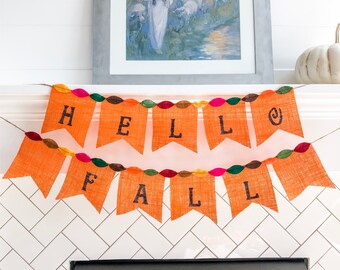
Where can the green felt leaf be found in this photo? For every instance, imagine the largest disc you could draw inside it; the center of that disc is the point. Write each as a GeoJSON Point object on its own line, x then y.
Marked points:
{"type": "Point", "coordinates": [96, 97]}
{"type": "Point", "coordinates": [233, 101]}
{"type": "Point", "coordinates": [147, 103]}
{"type": "Point", "coordinates": [236, 169]}
{"type": "Point", "coordinates": [99, 162]}
{"type": "Point", "coordinates": [150, 172]}
{"type": "Point", "coordinates": [284, 90]}
{"type": "Point", "coordinates": [284, 154]}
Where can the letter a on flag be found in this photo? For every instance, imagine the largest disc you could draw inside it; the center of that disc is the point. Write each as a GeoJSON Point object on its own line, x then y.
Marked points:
{"type": "Point", "coordinates": [37, 160]}
{"type": "Point", "coordinates": [193, 193]}
{"type": "Point", "coordinates": [68, 111]}
{"type": "Point", "coordinates": [87, 179]}
{"type": "Point", "coordinates": [272, 111]}
{"type": "Point", "coordinates": [250, 186]}
{"type": "Point", "coordinates": [123, 121]}
{"type": "Point", "coordinates": [138, 190]}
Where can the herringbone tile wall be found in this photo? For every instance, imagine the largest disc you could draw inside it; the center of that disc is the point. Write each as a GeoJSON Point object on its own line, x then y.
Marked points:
{"type": "Point", "coordinates": [38, 233]}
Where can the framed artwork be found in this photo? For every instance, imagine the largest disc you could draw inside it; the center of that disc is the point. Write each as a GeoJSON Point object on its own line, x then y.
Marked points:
{"type": "Point", "coordinates": [182, 42]}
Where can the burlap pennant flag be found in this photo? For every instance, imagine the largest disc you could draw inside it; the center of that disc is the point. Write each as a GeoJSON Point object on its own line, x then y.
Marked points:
{"type": "Point", "coordinates": [87, 179]}
{"type": "Point", "coordinates": [175, 125]}
{"type": "Point", "coordinates": [193, 193]}
{"type": "Point", "coordinates": [125, 120]}
{"type": "Point", "coordinates": [250, 186]}
{"type": "Point", "coordinates": [226, 121]}
{"type": "Point", "coordinates": [37, 160]}
{"type": "Point", "coordinates": [272, 111]}
{"type": "Point", "coordinates": [66, 110]}
{"type": "Point", "coordinates": [300, 170]}
{"type": "Point", "coordinates": [138, 190]}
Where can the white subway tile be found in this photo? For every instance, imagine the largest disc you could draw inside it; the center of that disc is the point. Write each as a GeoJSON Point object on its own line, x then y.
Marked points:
{"type": "Point", "coordinates": [307, 197]}
{"type": "Point", "coordinates": [331, 231]}
{"type": "Point", "coordinates": [330, 198]}
{"type": "Point", "coordinates": [187, 248]}
{"type": "Point", "coordinates": [213, 238]}
{"type": "Point", "coordinates": [86, 211]}
{"type": "Point", "coordinates": [21, 240]}
{"type": "Point", "coordinates": [331, 260]}
{"type": "Point", "coordinates": [20, 207]}
{"type": "Point", "coordinates": [14, 261]}
{"type": "Point", "coordinates": [244, 223]}
{"type": "Point", "coordinates": [149, 238]}
{"type": "Point", "coordinates": [314, 248]}
{"type": "Point", "coordinates": [308, 221]}
{"type": "Point", "coordinates": [277, 237]}
{"type": "Point", "coordinates": [287, 212]}
{"type": "Point", "coordinates": [120, 251]}
{"type": "Point", "coordinates": [4, 249]}
{"type": "Point", "coordinates": [81, 235]}
{"type": "Point", "coordinates": [76, 256]}
{"type": "Point", "coordinates": [53, 223]}
{"type": "Point", "coordinates": [142, 254]}
{"type": "Point", "coordinates": [206, 254]}
{"type": "Point", "coordinates": [174, 230]}
{"type": "Point", "coordinates": [114, 226]}
{"type": "Point", "coordinates": [252, 247]}
{"type": "Point", "coordinates": [4, 216]}
{"type": "Point", "coordinates": [26, 185]}
{"type": "Point", "coordinates": [54, 254]}
{"type": "Point", "coordinates": [269, 253]}
{"type": "Point", "coordinates": [223, 212]}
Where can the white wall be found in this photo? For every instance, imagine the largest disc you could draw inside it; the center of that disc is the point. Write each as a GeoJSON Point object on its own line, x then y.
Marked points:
{"type": "Point", "coordinates": [50, 41]}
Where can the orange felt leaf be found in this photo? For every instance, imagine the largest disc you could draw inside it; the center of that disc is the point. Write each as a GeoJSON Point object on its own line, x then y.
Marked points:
{"type": "Point", "coordinates": [35, 159]}
{"type": "Point", "coordinates": [226, 121]}
{"type": "Point", "coordinates": [273, 112]}
{"type": "Point", "coordinates": [250, 186]}
{"type": "Point", "coordinates": [123, 121]}
{"type": "Point", "coordinates": [87, 179]}
{"type": "Point", "coordinates": [65, 110]}
{"type": "Point", "coordinates": [175, 125]}
{"type": "Point", "coordinates": [301, 170]}
{"type": "Point", "coordinates": [140, 191]}
{"type": "Point", "coordinates": [193, 193]}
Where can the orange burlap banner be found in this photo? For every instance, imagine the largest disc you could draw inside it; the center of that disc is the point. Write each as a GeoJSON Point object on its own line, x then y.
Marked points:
{"type": "Point", "coordinates": [35, 159]}
{"type": "Point", "coordinates": [272, 111]}
{"type": "Point", "coordinates": [250, 186]}
{"type": "Point", "coordinates": [226, 121]}
{"type": "Point", "coordinates": [123, 121]}
{"type": "Point", "coordinates": [175, 125]}
{"type": "Point", "coordinates": [65, 110]}
{"type": "Point", "coordinates": [87, 179]}
{"type": "Point", "coordinates": [193, 193]}
{"type": "Point", "coordinates": [301, 170]}
{"type": "Point", "coordinates": [140, 191]}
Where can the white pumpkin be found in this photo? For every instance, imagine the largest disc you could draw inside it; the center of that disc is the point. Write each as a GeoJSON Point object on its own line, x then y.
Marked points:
{"type": "Point", "coordinates": [320, 64]}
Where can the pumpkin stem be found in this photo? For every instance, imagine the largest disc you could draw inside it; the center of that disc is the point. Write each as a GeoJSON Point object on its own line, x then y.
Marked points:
{"type": "Point", "coordinates": [337, 34]}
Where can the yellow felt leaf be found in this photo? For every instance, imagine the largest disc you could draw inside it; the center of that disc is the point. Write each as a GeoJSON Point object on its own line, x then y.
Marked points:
{"type": "Point", "coordinates": [66, 151]}
{"type": "Point", "coordinates": [61, 88]}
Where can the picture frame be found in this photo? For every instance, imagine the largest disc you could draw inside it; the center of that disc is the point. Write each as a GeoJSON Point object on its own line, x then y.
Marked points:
{"type": "Point", "coordinates": [104, 41]}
